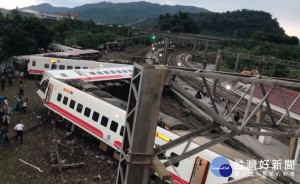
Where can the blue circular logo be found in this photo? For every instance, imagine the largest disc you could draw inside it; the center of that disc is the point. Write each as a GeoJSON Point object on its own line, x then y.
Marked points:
{"type": "Point", "coordinates": [221, 167]}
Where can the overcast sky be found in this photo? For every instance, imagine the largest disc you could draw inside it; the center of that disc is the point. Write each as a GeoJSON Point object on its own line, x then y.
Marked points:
{"type": "Point", "coordinates": [286, 11]}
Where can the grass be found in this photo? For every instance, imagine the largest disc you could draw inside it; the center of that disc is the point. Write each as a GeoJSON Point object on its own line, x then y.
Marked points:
{"type": "Point", "coordinates": [11, 169]}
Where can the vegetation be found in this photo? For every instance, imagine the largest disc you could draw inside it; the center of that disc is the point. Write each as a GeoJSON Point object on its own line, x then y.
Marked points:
{"type": "Point", "coordinates": [85, 34]}
{"type": "Point", "coordinates": [22, 36]}
{"type": "Point", "coordinates": [118, 13]}
{"type": "Point", "coordinates": [263, 48]}
{"type": "Point", "coordinates": [177, 23]}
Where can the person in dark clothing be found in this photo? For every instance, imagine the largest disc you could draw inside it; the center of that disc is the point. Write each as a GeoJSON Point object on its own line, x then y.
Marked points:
{"type": "Point", "coordinates": [236, 117]}
{"type": "Point", "coordinates": [204, 64]}
{"type": "Point", "coordinates": [21, 92]}
{"type": "Point", "coordinates": [10, 77]}
{"type": "Point", "coordinates": [4, 136]}
{"type": "Point", "coordinates": [2, 82]}
{"type": "Point", "coordinates": [6, 120]}
{"type": "Point", "coordinates": [198, 95]}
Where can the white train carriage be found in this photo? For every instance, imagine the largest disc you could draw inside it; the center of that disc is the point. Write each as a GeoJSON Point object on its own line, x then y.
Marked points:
{"type": "Point", "coordinates": [37, 64]}
{"type": "Point", "coordinates": [55, 47]}
{"type": "Point", "coordinates": [91, 75]}
{"type": "Point", "coordinates": [103, 116]}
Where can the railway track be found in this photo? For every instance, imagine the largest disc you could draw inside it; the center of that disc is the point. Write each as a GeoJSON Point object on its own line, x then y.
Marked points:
{"type": "Point", "coordinates": [195, 83]}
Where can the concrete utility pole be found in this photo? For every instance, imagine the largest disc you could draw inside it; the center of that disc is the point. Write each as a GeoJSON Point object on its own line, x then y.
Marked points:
{"type": "Point", "coordinates": [166, 45]}
{"type": "Point", "coordinates": [218, 64]}
{"type": "Point", "coordinates": [141, 121]}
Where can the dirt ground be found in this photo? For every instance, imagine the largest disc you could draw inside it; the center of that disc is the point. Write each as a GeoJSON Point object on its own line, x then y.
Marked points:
{"type": "Point", "coordinates": [38, 145]}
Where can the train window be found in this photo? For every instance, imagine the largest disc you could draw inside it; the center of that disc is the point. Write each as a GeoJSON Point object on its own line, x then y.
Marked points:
{"type": "Point", "coordinates": [33, 63]}
{"type": "Point", "coordinates": [93, 73]}
{"type": "Point", "coordinates": [46, 65]}
{"type": "Point", "coordinates": [44, 85]}
{"type": "Point", "coordinates": [85, 67]}
{"type": "Point", "coordinates": [64, 75]}
{"type": "Point", "coordinates": [65, 101]}
{"type": "Point", "coordinates": [79, 73]}
{"type": "Point", "coordinates": [162, 156]}
{"type": "Point", "coordinates": [87, 112]}
{"type": "Point", "coordinates": [122, 131]}
{"type": "Point", "coordinates": [113, 126]}
{"type": "Point", "coordinates": [72, 104]}
{"type": "Point", "coordinates": [69, 67]}
{"type": "Point", "coordinates": [61, 67]}
{"type": "Point", "coordinates": [95, 116]}
{"type": "Point", "coordinates": [99, 73]}
{"type": "Point", "coordinates": [59, 97]}
{"type": "Point", "coordinates": [130, 70]}
{"type": "Point", "coordinates": [175, 155]}
{"type": "Point", "coordinates": [106, 72]}
{"type": "Point", "coordinates": [111, 71]}
{"type": "Point", "coordinates": [79, 108]}
{"type": "Point", "coordinates": [125, 71]}
{"type": "Point", "coordinates": [77, 67]}
{"type": "Point", "coordinates": [119, 71]}
{"type": "Point", "coordinates": [104, 121]}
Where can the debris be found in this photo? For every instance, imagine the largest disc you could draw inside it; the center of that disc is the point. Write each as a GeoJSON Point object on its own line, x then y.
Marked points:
{"type": "Point", "coordinates": [68, 134]}
{"type": "Point", "coordinates": [98, 177]}
{"type": "Point", "coordinates": [63, 161]}
{"type": "Point", "coordinates": [38, 117]}
{"type": "Point", "coordinates": [71, 142]}
{"type": "Point", "coordinates": [109, 161]}
{"type": "Point", "coordinates": [31, 165]}
{"type": "Point", "coordinates": [68, 166]}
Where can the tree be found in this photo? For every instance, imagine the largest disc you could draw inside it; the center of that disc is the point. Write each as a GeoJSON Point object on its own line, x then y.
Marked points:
{"type": "Point", "coordinates": [61, 29]}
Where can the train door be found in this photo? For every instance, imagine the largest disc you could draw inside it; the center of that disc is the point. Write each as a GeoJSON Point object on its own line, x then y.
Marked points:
{"type": "Point", "coordinates": [48, 93]}
{"type": "Point", "coordinates": [200, 170]}
{"type": "Point", "coordinates": [42, 89]}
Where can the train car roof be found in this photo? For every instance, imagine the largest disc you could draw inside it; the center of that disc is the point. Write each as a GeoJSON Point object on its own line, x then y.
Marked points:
{"type": "Point", "coordinates": [221, 149]}
{"type": "Point", "coordinates": [94, 74]}
{"type": "Point", "coordinates": [71, 53]}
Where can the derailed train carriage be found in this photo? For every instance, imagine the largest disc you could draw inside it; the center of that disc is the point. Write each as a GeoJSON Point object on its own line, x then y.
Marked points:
{"type": "Point", "coordinates": [103, 116]}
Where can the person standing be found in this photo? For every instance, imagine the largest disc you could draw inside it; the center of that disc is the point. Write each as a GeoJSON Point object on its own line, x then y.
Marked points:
{"type": "Point", "coordinates": [19, 130]}
{"type": "Point", "coordinates": [4, 136]}
{"type": "Point", "coordinates": [24, 105]}
{"type": "Point", "coordinates": [2, 82]}
{"type": "Point", "coordinates": [10, 76]}
{"type": "Point", "coordinates": [236, 117]}
{"type": "Point", "coordinates": [6, 120]}
{"type": "Point", "coordinates": [21, 79]}
{"type": "Point", "coordinates": [204, 91]}
{"type": "Point", "coordinates": [204, 64]}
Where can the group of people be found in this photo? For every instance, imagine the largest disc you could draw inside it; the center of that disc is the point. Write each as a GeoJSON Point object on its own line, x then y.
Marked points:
{"type": "Point", "coordinates": [6, 73]}
{"type": "Point", "coordinates": [5, 113]}
{"type": "Point", "coordinates": [5, 135]}
{"type": "Point", "coordinates": [225, 105]}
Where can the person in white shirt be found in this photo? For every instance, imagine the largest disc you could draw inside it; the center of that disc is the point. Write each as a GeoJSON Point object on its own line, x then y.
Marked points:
{"type": "Point", "coordinates": [24, 105]}
{"type": "Point", "coordinates": [19, 129]}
